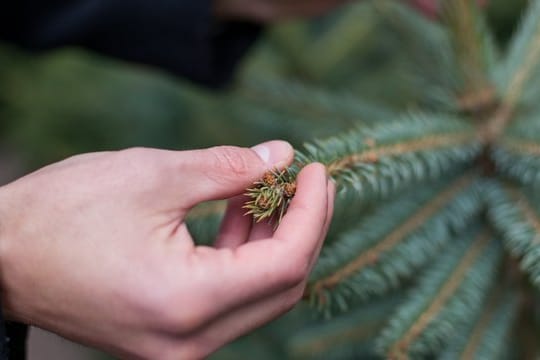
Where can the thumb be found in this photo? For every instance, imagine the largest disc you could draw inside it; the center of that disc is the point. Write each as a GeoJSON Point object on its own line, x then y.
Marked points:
{"type": "Point", "coordinates": [225, 171]}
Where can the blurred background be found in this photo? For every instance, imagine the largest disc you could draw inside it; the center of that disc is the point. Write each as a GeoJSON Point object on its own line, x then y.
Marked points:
{"type": "Point", "coordinates": [68, 101]}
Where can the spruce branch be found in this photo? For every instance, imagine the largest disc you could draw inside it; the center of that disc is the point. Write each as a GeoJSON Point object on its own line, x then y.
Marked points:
{"type": "Point", "coordinates": [348, 336]}
{"type": "Point", "coordinates": [516, 216]}
{"type": "Point", "coordinates": [523, 58]}
{"type": "Point", "coordinates": [423, 224]}
{"type": "Point", "coordinates": [444, 300]}
{"type": "Point", "coordinates": [520, 147]}
{"type": "Point", "coordinates": [474, 51]}
{"type": "Point", "coordinates": [330, 53]}
{"type": "Point", "coordinates": [515, 154]}
{"type": "Point", "coordinates": [487, 337]}
{"type": "Point", "coordinates": [429, 60]}
{"type": "Point", "coordinates": [376, 161]}
{"type": "Point", "coordinates": [348, 211]}
{"type": "Point", "coordinates": [518, 160]}
{"type": "Point", "coordinates": [519, 72]}
{"type": "Point", "coordinates": [388, 246]}
{"type": "Point", "coordinates": [375, 153]}
{"type": "Point", "coordinates": [307, 104]}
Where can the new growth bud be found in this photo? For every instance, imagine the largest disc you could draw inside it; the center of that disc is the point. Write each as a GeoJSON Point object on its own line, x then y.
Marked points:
{"type": "Point", "coordinates": [270, 196]}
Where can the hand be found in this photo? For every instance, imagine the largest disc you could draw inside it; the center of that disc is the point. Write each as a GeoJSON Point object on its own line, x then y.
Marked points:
{"type": "Point", "coordinates": [95, 248]}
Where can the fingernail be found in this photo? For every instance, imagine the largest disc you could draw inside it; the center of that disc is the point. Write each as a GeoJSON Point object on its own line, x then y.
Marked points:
{"type": "Point", "coordinates": [275, 153]}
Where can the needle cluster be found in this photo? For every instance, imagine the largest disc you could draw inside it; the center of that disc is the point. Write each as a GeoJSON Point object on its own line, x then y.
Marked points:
{"type": "Point", "coordinates": [270, 196]}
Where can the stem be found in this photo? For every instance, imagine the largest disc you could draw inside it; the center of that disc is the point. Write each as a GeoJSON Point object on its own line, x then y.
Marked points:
{"type": "Point", "coordinates": [372, 154]}
{"type": "Point", "coordinates": [400, 347]}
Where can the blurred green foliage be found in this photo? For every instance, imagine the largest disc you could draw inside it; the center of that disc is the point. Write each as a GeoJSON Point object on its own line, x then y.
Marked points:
{"type": "Point", "coordinates": [68, 101]}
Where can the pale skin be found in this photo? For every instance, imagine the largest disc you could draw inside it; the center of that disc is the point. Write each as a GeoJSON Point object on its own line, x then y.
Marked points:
{"type": "Point", "coordinates": [95, 248]}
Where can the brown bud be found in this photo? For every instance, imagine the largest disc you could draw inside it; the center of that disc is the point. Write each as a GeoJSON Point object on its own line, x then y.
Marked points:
{"type": "Point", "coordinates": [289, 189]}
{"type": "Point", "coordinates": [269, 178]}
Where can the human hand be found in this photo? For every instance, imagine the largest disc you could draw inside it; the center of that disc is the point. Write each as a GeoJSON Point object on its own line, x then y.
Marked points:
{"type": "Point", "coordinates": [95, 248]}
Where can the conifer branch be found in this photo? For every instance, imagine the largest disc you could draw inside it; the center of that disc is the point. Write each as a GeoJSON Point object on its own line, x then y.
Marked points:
{"type": "Point", "coordinates": [290, 98]}
{"type": "Point", "coordinates": [518, 81]}
{"type": "Point", "coordinates": [520, 68]}
{"type": "Point", "coordinates": [393, 238]}
{"type": "Point", "coordinates": [329, 53]}
{"type": "Point", "coordinates": [444, 300]}
{"type": "Point", "coordinates": [518, 220]}
{"type": "Point", "coordinates": [429, 57]}
{"type": "Point", "coordinates": [522, 147]}
{"type": "Point", "coordinates": [368, 260]}
{"type": "Point", "coordinates": [348, 210]}
{"type": "Point", "coordinates": [487, 336]}
{"type": "Point", "coordinates": [350, 31]}
{"type": "Point", "coordinates": [529, 213]}
{"type": "Point", "coordinates": [526, 48]}
{"type": "Point", "coordinates": [373, 154]}
{"type": "Point", "coordinates": [363, 331]}
{"type": "Point", "coordinates": [378, 160]}
{"type": "Point", "coordinates": [468, 32]}
{"type": "Point", "coordinates": [498, 122]}
{"type": "Point", "coordinates": [519, 72]}
{"type": "Point", "coordinates": [401, 346]}
{"type": "Point", "coordinates": [347, 336]}
{"type": "Point", "coordinates": [480, 328]}
{"type": "Point", "coordinates": [518, 159]}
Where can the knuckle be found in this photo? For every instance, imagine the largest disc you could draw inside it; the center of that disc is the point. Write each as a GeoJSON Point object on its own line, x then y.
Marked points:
{"type": "Point", "coordinates": [234, 160]}
{"type": "Point", "coordinates": [180, 320]}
